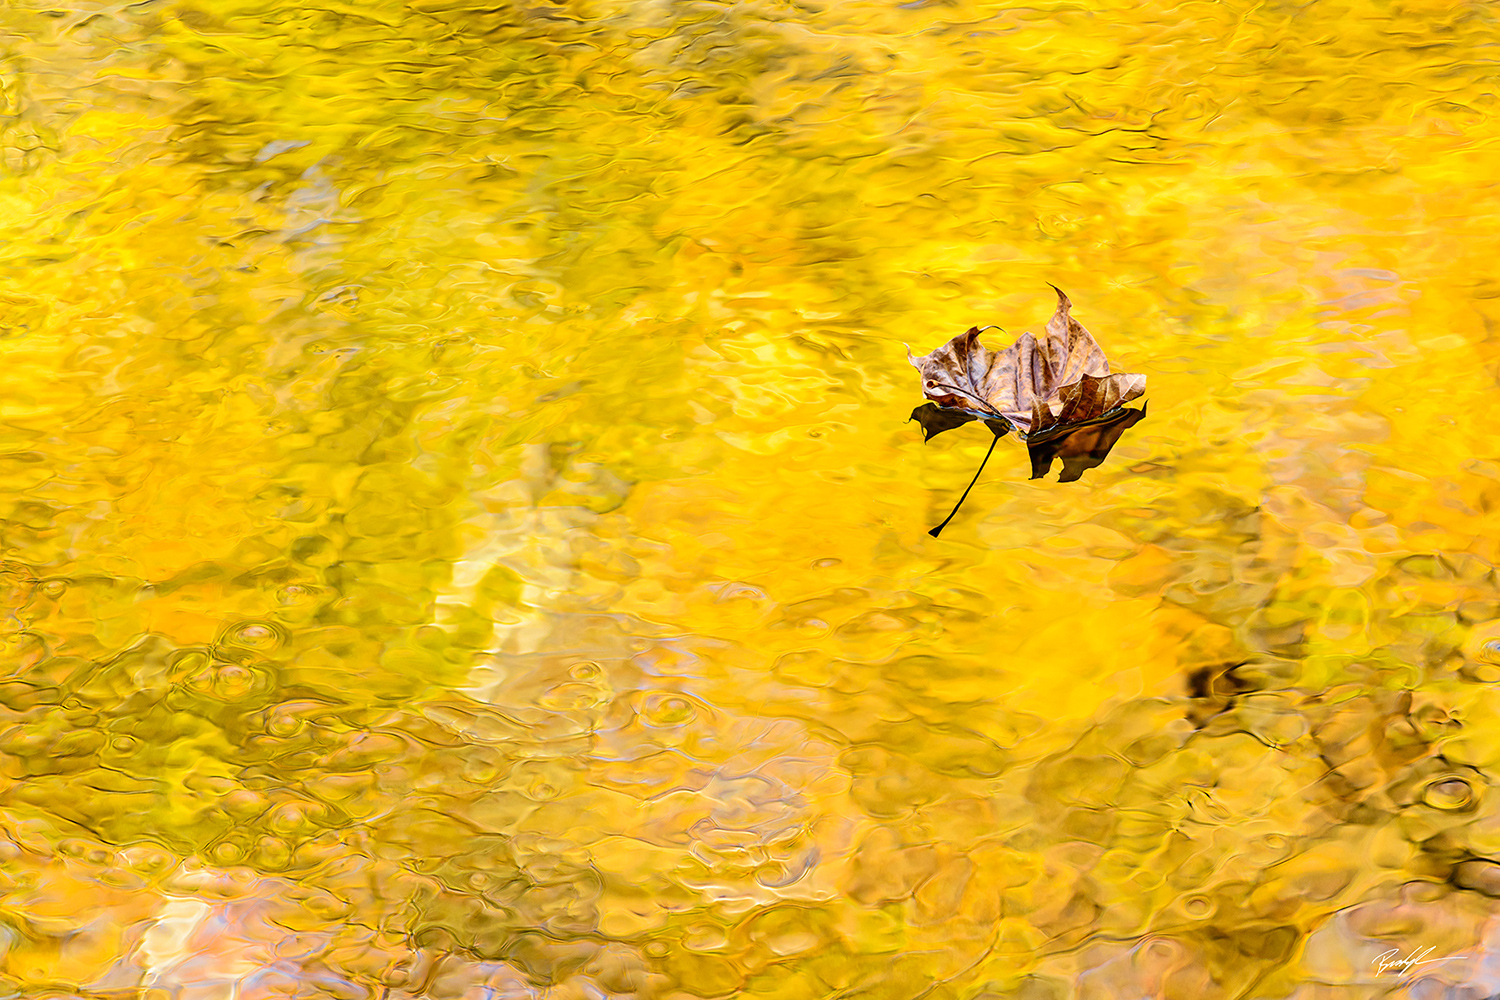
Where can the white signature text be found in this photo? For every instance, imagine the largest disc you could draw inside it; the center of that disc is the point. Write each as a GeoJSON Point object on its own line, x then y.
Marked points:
{"type": "Point", "coordinates": [1392, 961]}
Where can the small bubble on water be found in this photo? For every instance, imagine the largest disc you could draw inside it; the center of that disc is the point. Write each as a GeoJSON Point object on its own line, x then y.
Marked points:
{"type": "Point", "coordinates": [1448, 794]}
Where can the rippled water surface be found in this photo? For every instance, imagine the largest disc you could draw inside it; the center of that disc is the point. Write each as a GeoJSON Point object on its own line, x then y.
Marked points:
{"type": "Point", "coordinates": [463, 537]}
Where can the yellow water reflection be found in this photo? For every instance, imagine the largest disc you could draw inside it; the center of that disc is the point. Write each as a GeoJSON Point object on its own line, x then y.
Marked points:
{"type": "Point", "coordinates": [463, 537]}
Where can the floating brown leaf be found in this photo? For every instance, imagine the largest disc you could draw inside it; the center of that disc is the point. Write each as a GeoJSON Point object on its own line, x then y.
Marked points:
{"type": "Point", "coordinates": [1035, 385]}
{"type": "Point", "coordinates": [1058, 393]}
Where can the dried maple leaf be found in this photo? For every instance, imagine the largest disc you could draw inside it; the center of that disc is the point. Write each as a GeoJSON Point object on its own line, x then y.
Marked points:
{"type": "Point", "coordinates": [1057, 393]}
{"type": "Point", "coordinates": [1034, 385]}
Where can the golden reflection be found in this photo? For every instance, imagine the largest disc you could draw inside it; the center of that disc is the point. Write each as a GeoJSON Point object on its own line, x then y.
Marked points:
{"type": "Point", "coordinates": [461, 537]}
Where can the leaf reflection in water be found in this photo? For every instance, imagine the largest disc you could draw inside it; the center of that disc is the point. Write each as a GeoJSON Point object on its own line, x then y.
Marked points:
{"type": "Point", "coordinates": [1081, 446]}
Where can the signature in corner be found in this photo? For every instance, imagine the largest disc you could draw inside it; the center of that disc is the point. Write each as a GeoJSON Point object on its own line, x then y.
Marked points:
{"type": "Point", "coordinates": [1391, 960]}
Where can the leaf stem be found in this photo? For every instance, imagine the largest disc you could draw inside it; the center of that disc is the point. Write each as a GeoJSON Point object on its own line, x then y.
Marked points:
{"type": "Point", "coordinates": [938, 530]}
